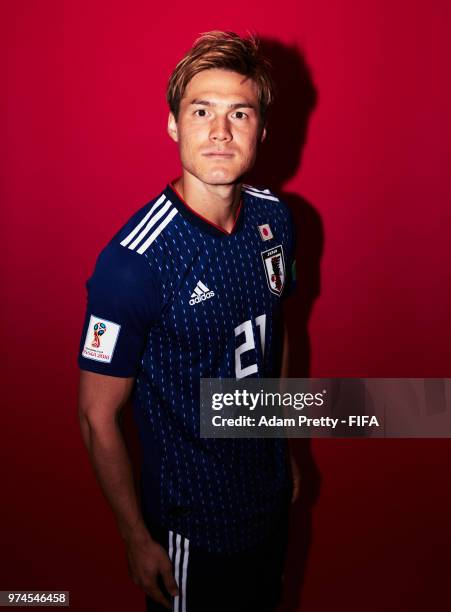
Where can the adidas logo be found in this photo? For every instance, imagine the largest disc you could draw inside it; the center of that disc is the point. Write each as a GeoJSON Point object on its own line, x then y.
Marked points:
{"type": "Point", "coordinates": [200, 294]}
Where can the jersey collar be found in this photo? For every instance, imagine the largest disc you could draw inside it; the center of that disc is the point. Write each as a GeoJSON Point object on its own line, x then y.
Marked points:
{"type": "Point", "coordinates": [198, 220]}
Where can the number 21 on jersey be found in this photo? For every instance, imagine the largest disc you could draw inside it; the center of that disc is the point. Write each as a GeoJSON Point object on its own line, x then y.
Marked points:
{"type": "Point", "coordinates": [249, 345]}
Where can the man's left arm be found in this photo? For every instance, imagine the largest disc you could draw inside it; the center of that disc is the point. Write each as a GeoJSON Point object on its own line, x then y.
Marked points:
{"type": "Point", "coordinates": [284, 372]}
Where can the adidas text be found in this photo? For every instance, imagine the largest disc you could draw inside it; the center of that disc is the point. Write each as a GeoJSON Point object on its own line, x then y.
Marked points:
{"type": "Point", "coordinates": [201, 298]}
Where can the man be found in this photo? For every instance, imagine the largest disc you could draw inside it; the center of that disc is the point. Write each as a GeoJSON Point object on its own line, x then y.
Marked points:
{"type": "Point", "coordinates": [192, 287]}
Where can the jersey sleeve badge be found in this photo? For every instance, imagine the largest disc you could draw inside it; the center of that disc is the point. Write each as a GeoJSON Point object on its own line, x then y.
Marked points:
{"type": "Point", "coordinates": [101, 339]}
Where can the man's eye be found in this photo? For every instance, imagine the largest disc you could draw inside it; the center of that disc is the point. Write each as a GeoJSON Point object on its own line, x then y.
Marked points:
{"type": "Point", "coordinates": [240, 115]}
{"type": "Point", "coordinates": [201, 110]}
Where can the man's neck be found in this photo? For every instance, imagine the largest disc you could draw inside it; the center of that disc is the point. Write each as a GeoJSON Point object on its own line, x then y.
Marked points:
{"type": "Point", "coordinates": [218, 204]}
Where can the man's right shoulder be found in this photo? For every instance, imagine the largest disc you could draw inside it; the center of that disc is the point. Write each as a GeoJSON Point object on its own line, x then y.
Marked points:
{"type": "Point", "coordinates": [144, 228]}
{"type": "Point", "coordinates": [128, 255]}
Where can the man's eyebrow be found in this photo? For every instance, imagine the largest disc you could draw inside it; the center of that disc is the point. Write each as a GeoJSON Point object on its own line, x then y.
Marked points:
{"type": "Point", "coordinates": [234, 105]}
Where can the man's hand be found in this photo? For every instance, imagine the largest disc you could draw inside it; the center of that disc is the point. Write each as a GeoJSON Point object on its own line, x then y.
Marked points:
{"type": "Point", "coordinates": [147, 560]}
{"type": "Point", "coordinates": [296, 478]}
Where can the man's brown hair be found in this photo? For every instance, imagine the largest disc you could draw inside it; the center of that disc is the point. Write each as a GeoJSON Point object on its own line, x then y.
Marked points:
{"type": "Point", "coordinates": [228, 51]}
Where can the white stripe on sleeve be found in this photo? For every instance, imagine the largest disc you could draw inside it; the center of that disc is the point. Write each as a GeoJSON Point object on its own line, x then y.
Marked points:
{"type": "Point", "coordinates": [144, 220]}
{"type": "Point", "coordinates": [145, 245]}
{"type": "Point", "coordinates": [184, 573]}
{"type": "Point", "coordinates": [150, 224]}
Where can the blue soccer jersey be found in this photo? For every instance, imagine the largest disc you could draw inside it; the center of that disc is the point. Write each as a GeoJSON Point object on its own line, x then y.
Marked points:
{"type": "Point", "coordinates": [173, 298]}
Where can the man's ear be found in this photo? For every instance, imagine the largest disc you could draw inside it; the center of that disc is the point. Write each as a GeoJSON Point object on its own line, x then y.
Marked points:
{"type": "Point", "coordinates": [263, 134]}
{"type": "Point", "coordinates": [172, 127]}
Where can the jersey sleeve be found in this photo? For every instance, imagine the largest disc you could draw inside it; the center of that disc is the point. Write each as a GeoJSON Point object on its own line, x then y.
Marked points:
{"type": "Point", "coordinates": [123, 302]}
{"type": "Point", "coordinates": [290, 282]}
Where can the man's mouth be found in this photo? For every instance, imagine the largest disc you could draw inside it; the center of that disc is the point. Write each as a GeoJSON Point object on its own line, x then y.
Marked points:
{"type": "Point", "coordinates": [217, 154]}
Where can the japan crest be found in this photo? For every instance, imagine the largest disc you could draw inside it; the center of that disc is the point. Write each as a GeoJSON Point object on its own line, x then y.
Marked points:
{"type": "Point", "coordinates": [274, 265]}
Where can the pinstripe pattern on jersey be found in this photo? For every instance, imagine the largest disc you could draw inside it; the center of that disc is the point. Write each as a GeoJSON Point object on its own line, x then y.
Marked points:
{"type": "Point", "coordinates": [199, 342]}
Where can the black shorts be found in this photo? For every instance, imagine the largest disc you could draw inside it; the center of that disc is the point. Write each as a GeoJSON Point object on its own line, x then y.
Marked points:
{"type": "Point", "coordinates": [249, 581]}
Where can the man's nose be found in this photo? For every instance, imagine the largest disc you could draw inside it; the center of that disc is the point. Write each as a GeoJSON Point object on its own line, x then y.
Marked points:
{"type": "Point", "coordinates": [220, 130]}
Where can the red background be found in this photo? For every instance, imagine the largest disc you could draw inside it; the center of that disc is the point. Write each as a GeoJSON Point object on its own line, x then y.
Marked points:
{"type": "Point", "coordinates": [84, 122]}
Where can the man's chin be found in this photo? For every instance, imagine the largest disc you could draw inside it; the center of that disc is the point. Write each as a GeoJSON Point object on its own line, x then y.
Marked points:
{"type": "Point", "coordinates": [221, 178]}
{"type": "Point", "coordinates": [217, 176]}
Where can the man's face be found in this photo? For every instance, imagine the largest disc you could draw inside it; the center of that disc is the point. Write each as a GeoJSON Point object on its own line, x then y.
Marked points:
{"type": "Point", "coordinates": [218, 127]}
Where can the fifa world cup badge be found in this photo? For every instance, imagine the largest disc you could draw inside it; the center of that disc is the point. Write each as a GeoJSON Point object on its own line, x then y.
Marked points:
{"type": "Point", "coordinates": [101, 338]}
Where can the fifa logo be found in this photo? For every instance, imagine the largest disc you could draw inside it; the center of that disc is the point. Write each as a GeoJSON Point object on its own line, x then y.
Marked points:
{"type": "Point", "coordinates": [99, 330]}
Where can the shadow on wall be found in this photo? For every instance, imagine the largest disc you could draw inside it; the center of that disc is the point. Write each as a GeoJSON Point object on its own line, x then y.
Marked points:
{"type": "Point", "coordinates": [279, 160]}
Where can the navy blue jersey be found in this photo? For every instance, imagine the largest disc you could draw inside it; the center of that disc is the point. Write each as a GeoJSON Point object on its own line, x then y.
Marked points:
{"type": "Point", "coordinates": [173, 298]}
